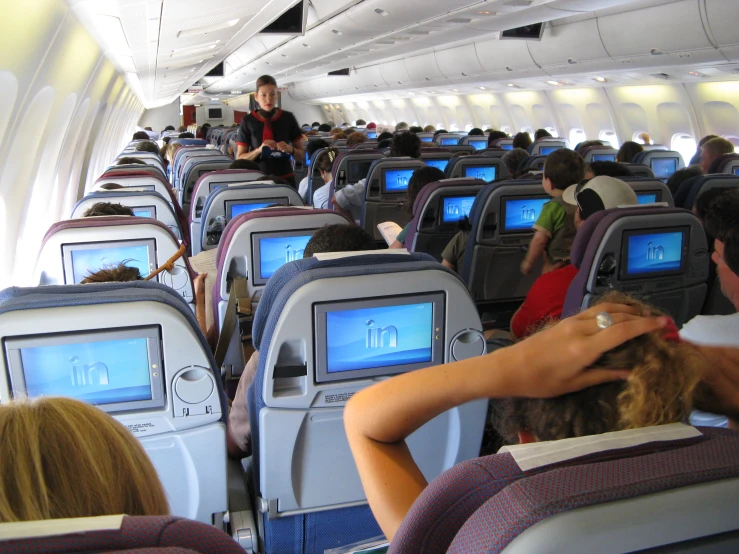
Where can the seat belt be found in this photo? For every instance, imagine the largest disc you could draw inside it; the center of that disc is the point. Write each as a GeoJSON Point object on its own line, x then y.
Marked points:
{"type": "Point", "coordinates": [238, 312]}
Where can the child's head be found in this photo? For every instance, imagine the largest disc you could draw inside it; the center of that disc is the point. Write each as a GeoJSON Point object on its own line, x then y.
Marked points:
{"type": "Point", "coordinates": [664, 374]}
{"type": "Point", "coordinates": [562, 168]}
{"type": "Point", "coordinates": [420, 178]}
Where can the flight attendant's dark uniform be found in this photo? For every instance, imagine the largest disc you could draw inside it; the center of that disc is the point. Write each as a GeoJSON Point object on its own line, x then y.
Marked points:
{"type": "Point", "coordinates": [280, 126]}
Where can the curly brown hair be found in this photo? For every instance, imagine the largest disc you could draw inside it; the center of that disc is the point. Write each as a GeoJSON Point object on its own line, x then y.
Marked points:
{"type": "Point", "coordinates": [664, 376]}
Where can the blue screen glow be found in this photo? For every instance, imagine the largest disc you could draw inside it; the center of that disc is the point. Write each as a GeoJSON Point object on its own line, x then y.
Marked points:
{"type": "Point", "coordinates": [450, 141]}
{"type": "Point", "coordinates": [663, 168]}
{"type": "Point", "coordinates": [520, 215]}
{"type": "Point", "coordinates": [238, 209]}
{"type": "Point", "coordinates": [654, 253]}
{"type": "Point", "coordinates": [89, 261]}
{"type": "Point", "coordinates": [102, 372]}
{"type": "Point", "coordinates": [736, 171]}
{"type": "Point", "coordinates": [478, 144]}
{"type": "Point", "coordinates": [646, 198]}
{"type": "Point", "coordinates": [371, 134]}
{"type": "Point", "coordinates": [486, 173]}
{"type": "Point", "coordinates": [379, 337]}
{"type": "Point", "coordinates": [307, 160]}
{"type": "Point", "coordinates": [427, 139]}
{"type": "Point", "coordinates": [143, 212]}
{"type": "Point", "coordinates": [396, 180]}
{"type": "Point", "coordinates": [274, 252]}
{"type": "Point", "coordinates": [456, 207]}
{"type": "Point", "coordinates": [438, 164]}
{"type": "Point", "coordinates": [604, 157]}
{"type": "Point", "coordinates": [546, 150]}
{"type": "Point", "coordinates": [506, 146]}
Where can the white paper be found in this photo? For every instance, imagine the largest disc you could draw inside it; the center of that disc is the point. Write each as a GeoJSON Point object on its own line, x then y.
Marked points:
{"type": "Point", "coordinates": [205, 262]}
{"type": "Point", "coordinates": [389, 231]}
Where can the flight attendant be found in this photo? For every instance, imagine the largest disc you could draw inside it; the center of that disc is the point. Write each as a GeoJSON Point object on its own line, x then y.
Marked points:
{"type": "Point", "coordinates": [269, 135]}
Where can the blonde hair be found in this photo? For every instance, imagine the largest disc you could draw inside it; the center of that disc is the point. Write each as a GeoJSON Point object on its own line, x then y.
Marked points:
{"type": "Point", "coordinates": [62, 458]}
{"type": "Point", "coordinates": [659, 390]}
{"type": "Point", "coordinates": [170, 150]}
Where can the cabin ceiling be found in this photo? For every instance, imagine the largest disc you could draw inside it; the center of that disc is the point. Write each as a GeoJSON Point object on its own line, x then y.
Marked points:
{"type": "Point", "coordinates": [165, 46]}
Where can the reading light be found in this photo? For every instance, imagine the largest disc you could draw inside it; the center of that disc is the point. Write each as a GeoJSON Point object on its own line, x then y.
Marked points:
{"type": "Point", "coordinates": [600, 79]}
{"type": "Point", "coordinates": [482, 88]}
{"type": "Point", "coordinates": [336, 32]}
{"type": "Point", "coordinates": [380, 11]}
{"type": "Point", "coordinates": [455, 90]}
{"type": "Point", "coordinates": [554, 83]}
{"type": "Point", "coordinates": [511, 85]}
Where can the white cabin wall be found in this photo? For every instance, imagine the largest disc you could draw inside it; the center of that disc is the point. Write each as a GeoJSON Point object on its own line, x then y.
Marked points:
{"type": "Point", "coordinates": [201, 114]}
{"type": "Point", "coordinates": [65, 112]}
{"type": "Point", "coordinates": [159, 118]}
{"type": "Point", "coordinates": [304, 113]}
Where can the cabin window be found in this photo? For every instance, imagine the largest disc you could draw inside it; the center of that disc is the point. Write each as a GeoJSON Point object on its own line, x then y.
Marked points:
{"type": "Point", "coordinates": [685, 144]}
{"type": "Point", "coordinates": [453, 127]}
{"type": "Point", "coordinates": [733, 140]}
{"type": "Point", "coordinates": [576, 137]}
{"type": "Point", "coordinates": [506, 129]}
{"type": "Point", "coordinates": [468, 127]}
{"type": "Point", "coordinates": [552, 131]}
{"type": "Point", "coordinates": [609, 137]}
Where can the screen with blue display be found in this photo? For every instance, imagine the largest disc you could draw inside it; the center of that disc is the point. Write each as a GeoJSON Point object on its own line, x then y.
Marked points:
{"type": "Point", "coordinates": [238, 209]}
{"type": "Point", "coordinates": [427, 139]}
{"type": "Point", "coordinates": [142, 212]}
{"type": "Point", "coordinates": [506, 146]}
{"type": "Point", "coordinates": [546, 150]}
{"type": "Point", "coordinates": [438, 163]}
{"type": "Point", "coordinates": [104, 372]}
{"type": "Point", "coordinates": [455, 208]}
{"type": "Point", "coordinates": [396, 180]}
{"type": "Point", "coordinates": [478, 144]}
{"type": "Point", "coordinates": [654, 253]}
{"type": "Point", "coordinates": [274, 252]}
{"type": "Point", "coordinates": [486, 173]}
{"type": "Point", "coordinates": [449, 141]}
{"type": "Point", "coordinates": [663, 168]}
{"type": "Point", "coordinates": [736, 170]}
{"type": "Point", "coordinates": [604, 157]}
{"type": "Point", "coordinates": [646, 197]}
{"type": "Point", "coordinates": [522, 213]}
{"type": "Point", "coordinates": [379, 337]}
{"type": "Point", "coordinates": [371, 134]}
{"type": "Point", "coordinates": [90, 260]}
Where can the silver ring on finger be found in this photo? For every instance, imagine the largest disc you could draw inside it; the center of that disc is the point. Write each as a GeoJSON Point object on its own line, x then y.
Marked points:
{"type": "Point", "coordinates": [603, 320]}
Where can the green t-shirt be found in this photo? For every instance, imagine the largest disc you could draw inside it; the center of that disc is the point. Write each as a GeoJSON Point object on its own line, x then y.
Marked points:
{"type": "Point", "coordinates": [557, 220]}
{"type": "Point", "coordinates": [454, 251]}
{"type": "Point", "coordinates": [401, 236]}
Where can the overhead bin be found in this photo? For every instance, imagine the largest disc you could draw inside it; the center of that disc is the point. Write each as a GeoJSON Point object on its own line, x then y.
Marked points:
{"type": "Point", "coordinates": [424, 69]}
{"type": "Point", "coordinates": [500, 55]}
{"type": "Point", "coordinates": [395, 74]}
{"type": "Point", "coordinates": [460, 61]}
{"type": "Point", "coordinates": [721, 18]}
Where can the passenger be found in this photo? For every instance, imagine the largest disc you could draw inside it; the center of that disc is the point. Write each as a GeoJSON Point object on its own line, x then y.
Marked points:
{"type": "Point", "coordinates": [555, 226]}
{"type": "Point", "coordinates": [313, 146]}
{"type": "Point", "coordinates": [587, 144]}
{"type": "Point", "coordinates": [112, 186]}
{"type": "Point", "coordinates": [712, 150]}
{"type": "Point", "coordinates": [522, 140]}
{"type": "Point", "coordinates": [315, 125]}
{"type": "Point", "coordinates": [645, 138]}
{"type": "Point", "coordinates": [341, 135]}
{"type": "Point", "coordinates": [181, 129]}
{"type": "Point", "coordinates": [187, 135]}
{"type": "Point", "coordinates": [420, 178]}
{"type": "Point", "coordinates": [140, 135]}
{"type": "Point", "coordinates": [332, 238]}
{"type": "Point", "coordinates": [495, 135]}
{"type": "Point", "coordinates": [269, 135]}
{"type": "Point", "coordinates": [415, 129]}
{"type": "Point", "coordinates": [721, 223]}
{"type": "Point", "coordinates": [438, 132]}
{"type": "Point", "coordinates": [107, 208]}
{"type": "Point", "coordinates": [611, 169]}
{"type": "Point", "coordinates": [628, 150]}
{"type": "Point", "coordinates": [324, 164]}
{"type": "Point", "coordinates": [324, 128]}
{"type": "Point", "coordinates": [542, 133]}
{"type": "Point", "coordinates": [203, 132]}
{"type": "Point", "coordinates": [371, 126]}
{"type": "Point", "coordinates": [385, 135]}
{"type": "Point", "coordinates": [696, 159]}
{"type": "Point", "coordinates": [355, 138]}
{"type": "Point", "coordinates": [476, 132]}
{"type": "Point", "coordinates": [702, 205]}
{"type": "Point", "coordinates": [63, 458]}
{"type": "Point", "coordinates": [312, 133]}
{"type": "Point", "coordinates": [120, 273]}
{"type": "Point", "coordinates": [682, 175]}
{"type": "Point", "coordinates": [429, 129]}
{"type": "Point", "coordinates": [147, 146]}
{"type": "Point", "coordinates": [513, 159]}
{"type": "Point", "coordinates": [349, 198]}
{"type": "Point", "coordinates": [631, 374]}
{"type": "Point", "coordinates": [545, 300]}
{"type": "Point", "coordinates": [129, 161]}
{"type": "Point", "coordinates": [360, 123]}
{"type": "Point", "coordinates": [170, 151]}
{"type": "Point", "coordinates": [335, 131]}
{"type": "Point", "coordinates": [402, 126]}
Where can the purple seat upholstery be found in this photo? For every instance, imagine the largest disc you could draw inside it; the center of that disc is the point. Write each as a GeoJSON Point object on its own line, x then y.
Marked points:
{"type": "Point", "coordinates": [139, 534]}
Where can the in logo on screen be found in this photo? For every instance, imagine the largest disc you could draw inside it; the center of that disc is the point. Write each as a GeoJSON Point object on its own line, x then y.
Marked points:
{"type": "Point", "coordinates": [655, 252]}
{"type": "Point", "coordinates": [528, 214]}
{"type": "Point", "coordinates": [452, 209]}
{"type": "Point", "coordinates": [377, 335]}
{"type": "Point", "coordinates": [293, 255]}
{"type": "Point", "coordinates": [95, 373]}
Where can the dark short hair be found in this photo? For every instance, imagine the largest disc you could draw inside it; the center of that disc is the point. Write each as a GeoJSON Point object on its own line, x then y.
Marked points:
{"type": "Point", "coordinates": [385, 135]}
{"type": "Point", "coordinates": [147, 146]}
{"type": "Point", "coordinates": [522, 140]}
{"type": "Point", "coordinates": [169, 128]}
{"type": "Point", "coordinates": [361, 122]}
{"type": "Point", "coordinates": [387, 143]}
{"type": "Point", "coordinates": [628, 150]}
{"type": "Point", "coordinates": [115, 274]}
{"type": "Point", "coordinates": [541, 133]}
{"type": "Point", "coordinates": [611, 169]}
{"type": "Point", "coordinates": [324, 128]}
{"type": "Point", "coordinates": [107, 208]}
{"type": "Point", "coordinates": [406, 144]}
{"type": "Point", "coordinates": [495, 135]}
{"type": "Point", "coordinates": [704, 200]}
{"type": "Point", "coordinates": [111, 186]}
{"type": "Point", "coordinates": [420, 178]}
{"type": "Point", "coordinates": [265, 80]}
{"type": "Point", "coordinates": [587, 144]}
{"type": "Point", "coordinates": [244, 164]}
{"type": "Point", "coordinates": [140, 135]}
{"type": "Point", "coordinates": [513, 158]}
{"type": "Point", "coordinates": [186, 134]}
{"type": "Point", "coordinates": [476, 132]}
{"type": "Point", "coordinates": [682, 175]}
{"type": "Point", "coordinates": [339, 238]}
{"type": "Point", "coordinates": [415, 129]}
{"type": "Point", "coordinates": [722, 222]}
{"type": "Point", "coordinates": [438, 132]}
{"type": "Point", "coordinates": [127, 161]}
{"type": "Point", "coordinates": [314, 145]}
{"type": "Point", "coordinates": [563, 168]}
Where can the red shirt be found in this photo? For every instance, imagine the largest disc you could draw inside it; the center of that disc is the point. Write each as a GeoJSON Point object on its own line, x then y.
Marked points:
{"type": "Point", "coordinates": [544, 302]}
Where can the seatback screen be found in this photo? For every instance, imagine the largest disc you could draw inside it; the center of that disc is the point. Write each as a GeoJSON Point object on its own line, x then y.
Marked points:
{"type": "Point", "coordinates": [239, 208]}
{"type": "Point", "coordinates": [478, 144]}
{"type": "Point", "coordinates": [648, 254]}
{"type": "Point", "coordinates": [307, 159]}
{"type": "Point", "coordinates": [396, 180]}
{"type": "Point", "coordinates": [604, 157]}
{"type": "Point", "coordinates": [663, 168]}
{"type": "Point", "coordinates": [372, 134]}
{"type": "Point", "coordinates": [456, 208]}
{"type": "Point", "coordinates": [356, 171]}
{"type": "Point", "coordinates": [276, 251]}
{"type": "Point", "coordinates": [736, 170]}
{"type": "Point", "coordinates": [646, 197]}
{"type": "Point", "coordinates": [520, 214]}
{"type": "Point", "coordinates": [145, 211]}
{"type": "Point", "coordinates": [440, 163]}
{"type": "Point", "coordinates": [484, 172]}
{"type": "Point", "coordinates": [546, 150]}
{"type": "Point", "coordinates": [84, 258]}
{"type": "Point", "coordinates": [449, 141]}
{"type": "Point", "coordinates": [506, 146]}
{"type": "Point", "coordinates": [427, 139]}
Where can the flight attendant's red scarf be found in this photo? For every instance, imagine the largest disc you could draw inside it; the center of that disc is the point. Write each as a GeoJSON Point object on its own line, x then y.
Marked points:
{"type": "Point", "coordinates": [267, 133]}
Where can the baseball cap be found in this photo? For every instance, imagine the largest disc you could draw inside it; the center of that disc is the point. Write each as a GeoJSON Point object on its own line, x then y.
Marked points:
{"type": "Point", "coordinates": [371, 125]}
{"type": "Point", "coordinates": [599, 193]}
